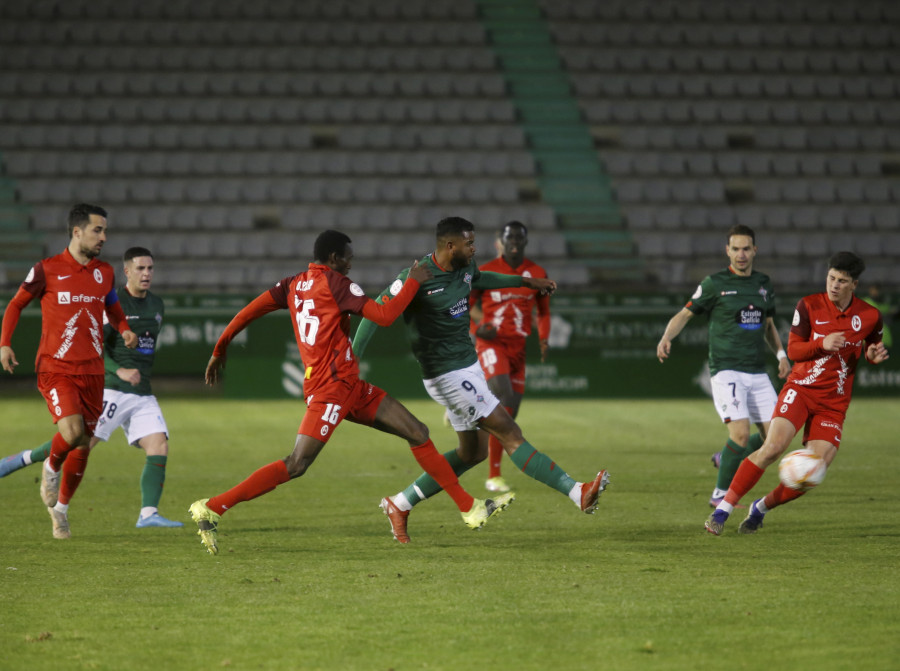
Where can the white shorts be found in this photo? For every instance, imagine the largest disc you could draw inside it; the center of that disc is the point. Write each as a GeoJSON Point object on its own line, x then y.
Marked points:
{"type": "Point", "coordinates": [743, 396]}
{"type": "Point", "coordinates": [465, 394]}
{"type": "Point", "coordinates": [139, 416]}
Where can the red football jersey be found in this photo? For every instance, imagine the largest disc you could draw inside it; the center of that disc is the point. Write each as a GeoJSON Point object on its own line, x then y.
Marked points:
{"type": "Point", "coordinates": [509, 309]}
{"type": "Point", "coordinates": [815, 317]}
{"type": "Point", "coordinates": [73, 298]}
{"type": "Point", "coordinates": [320, 301]}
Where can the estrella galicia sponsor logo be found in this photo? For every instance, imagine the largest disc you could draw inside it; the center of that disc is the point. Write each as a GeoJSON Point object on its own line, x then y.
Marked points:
{"type": "Point", "coordinates": [750, 318]}
{"type": "Point", "coordinates": [461, 308]}
{"type": "Point", "coordinates": [146, 344]}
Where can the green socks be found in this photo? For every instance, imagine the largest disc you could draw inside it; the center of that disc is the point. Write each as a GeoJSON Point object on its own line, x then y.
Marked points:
{"type": "Point", "coordinates": [732, 456]}
{"type": "Point", "coordinates": [532, 463]}
{"type": "Point", "coordinates": [425, 486]}
{"type": "Point", "coordinates": [539, 466]}
{"type": "Point", "coordinates": [38, 454]}
{"type": "Point", "coordinates": [152, 479]}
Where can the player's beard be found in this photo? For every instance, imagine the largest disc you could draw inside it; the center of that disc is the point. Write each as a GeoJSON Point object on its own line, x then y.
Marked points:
{"type": "Point", "coordinates": [459, 260]}
{"type": "Point", "coordinates": [91, 252]}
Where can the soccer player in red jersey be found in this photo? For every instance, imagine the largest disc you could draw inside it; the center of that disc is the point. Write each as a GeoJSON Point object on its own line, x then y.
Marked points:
{"type": "Point", "coordinates": [501, 333]}
{"type": "Point", "coordinates": [829, 333]}
{"type": "Point", "coordinates": [320, 301]}
{"type": "Point", "coordinates": [75, 288]}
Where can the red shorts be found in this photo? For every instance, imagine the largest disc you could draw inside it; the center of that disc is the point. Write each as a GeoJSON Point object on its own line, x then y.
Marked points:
{"type": "Point", "coordinates": [820, 417]}
{"type": "Point", "coordinates": [73, 395]}
{"type": "Point", "coordinates": [357, 401]}
{"type": "Point", "coordinates": [503, 357]}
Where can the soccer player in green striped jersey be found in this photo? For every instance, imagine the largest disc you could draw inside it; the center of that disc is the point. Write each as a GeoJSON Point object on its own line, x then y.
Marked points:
{"type": "Point", "coordinates": [437, 321]}
{"type": "Point", "coordinates": [128, 400]}
{"type": "Point", "coordinates": [740, 305]}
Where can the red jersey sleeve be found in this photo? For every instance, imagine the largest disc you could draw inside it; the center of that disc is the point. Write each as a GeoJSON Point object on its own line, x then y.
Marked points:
{"type": "Point", "coordinates": [259, 306]}
{"type": "Point", "coordinates": [800, 347]}
{"type": "Point", "coordinates": [384, 315]}
{"type": "Point", "coordinates": [32, 287]}
{"type": "Point", "coordinates": [116, 315]}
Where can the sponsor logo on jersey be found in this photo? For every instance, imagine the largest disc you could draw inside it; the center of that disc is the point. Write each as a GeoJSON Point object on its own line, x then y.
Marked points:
{"type": "Point", "coordinates": [63, 277]}
{"type": "Point", "coordinates": [66, 297]}
{"type": "Point", "coordinates": [461, 308]}
{"type": "Point", "coordinates": [750, 318]}
{"type": "Point", "coordinates": [796, 320]}
{"type": "Point", "coordinates": [98, 276]}
{"type": "Point", "coordinates": [856, 323]}
{"type": "Point", "coordinates": [431, 292]}
{"type": "Point", "coordinates": [728, 293]}
{"type": "Point", "coordinates": [396, 287]}
{"type": "Point", "coordinates": [146, 344]}
{"type": "Point", "coordinates": [832, 425]}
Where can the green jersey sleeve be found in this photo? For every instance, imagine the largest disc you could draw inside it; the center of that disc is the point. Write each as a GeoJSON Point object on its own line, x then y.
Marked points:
{"type": "Point", "coordinates": [486, 280]}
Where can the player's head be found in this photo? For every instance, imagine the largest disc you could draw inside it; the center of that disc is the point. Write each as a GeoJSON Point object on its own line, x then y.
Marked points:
{"type": "Point", "coordinates": [138, 266]}
{"type": "Point", "coordinates": [87, 229]}
{"type": "Point", "coordinates": [513, 240]}
{"type": "Point", "coordinates": [456, 239]}
{"type": "Point", "coordinates": [332, 249]}
{"type": "Point", "coordinates": [847, 262]}
{"type": "Point", "coordinates": [741, 248]}
{"type": "Point", "coordinates": [844, 269]}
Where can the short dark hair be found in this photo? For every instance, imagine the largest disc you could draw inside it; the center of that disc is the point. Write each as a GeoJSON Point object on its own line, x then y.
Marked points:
{"type": "Point", "coordinates": [133, 252]}
{"type": "Point", "coordinates": [80, 215]}
{"type": "Point", "coordinates": [740, 229]}
{"type": "Point", "coordinates": [515, 224]}
{"type": "Point", "coordinates": [453, 226]}
{"type": "Point", "coordinates": [330, 242]}
{"type": "Point", "coordinates": [847, 262]}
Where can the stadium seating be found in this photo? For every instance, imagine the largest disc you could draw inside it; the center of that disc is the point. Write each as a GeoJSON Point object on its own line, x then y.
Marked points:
{"type": "Point", "coordinates": [223, 131]}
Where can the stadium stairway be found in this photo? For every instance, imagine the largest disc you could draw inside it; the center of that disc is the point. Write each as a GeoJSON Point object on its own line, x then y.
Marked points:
{"type": "Point", "coordinates": [571, 178]}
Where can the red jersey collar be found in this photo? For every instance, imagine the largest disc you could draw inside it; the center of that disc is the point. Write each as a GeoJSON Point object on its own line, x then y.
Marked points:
{"type": "Point", "coordinates": [72, 261]}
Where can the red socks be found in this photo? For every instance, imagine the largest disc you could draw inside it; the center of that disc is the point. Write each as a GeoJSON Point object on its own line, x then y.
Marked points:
{"type": "Point", "coordinates": [72, 472]}
{"type": "Point", "coordinates": [748, 474]}
{"type": "Point", "coordinates": [59, 448]}
{"type": "Point", "coordinates": [260, 481]}
{"type": "Point", "coordinates": [495, 453]}
{"type": "Point", "coordinates": [434, 463]}
{"type": "Point", "coordinates": [780, 495]}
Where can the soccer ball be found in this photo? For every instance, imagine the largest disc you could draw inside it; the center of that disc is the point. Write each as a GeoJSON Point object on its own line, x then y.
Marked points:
{"type": "Point", "coordinates": [802, 470]}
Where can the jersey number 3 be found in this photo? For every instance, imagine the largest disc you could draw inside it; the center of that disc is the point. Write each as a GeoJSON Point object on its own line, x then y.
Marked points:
{"type": "Point", "coordinates": [307, 323]}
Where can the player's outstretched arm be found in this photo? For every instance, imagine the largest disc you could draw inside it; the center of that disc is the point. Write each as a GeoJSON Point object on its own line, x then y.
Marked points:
{"type": "Point", "coordinates": [543, 285]}
{"type": "Point", "coordinates": [673, 328]}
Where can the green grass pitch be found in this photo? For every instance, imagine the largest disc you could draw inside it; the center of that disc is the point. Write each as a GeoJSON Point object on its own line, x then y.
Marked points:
{"type": "Point", "coordinates": [308, 576]}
